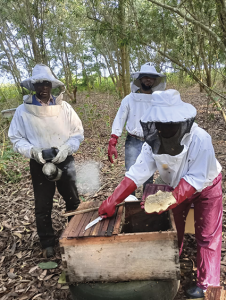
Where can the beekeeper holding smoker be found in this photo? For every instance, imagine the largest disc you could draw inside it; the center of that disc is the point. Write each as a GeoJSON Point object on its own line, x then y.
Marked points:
{"type": "Point", "coordinates": [48, 131]}
{"type": "Point", "coordinates": [183, 154]}
{"type": "Point", "coordinates": [132, 108]}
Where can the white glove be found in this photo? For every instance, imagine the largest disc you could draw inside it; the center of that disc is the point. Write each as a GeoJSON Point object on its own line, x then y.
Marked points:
{"type": "Point", "coordinates": [36, 154]}
{"type": "Point", "coordinates": [63, 153]}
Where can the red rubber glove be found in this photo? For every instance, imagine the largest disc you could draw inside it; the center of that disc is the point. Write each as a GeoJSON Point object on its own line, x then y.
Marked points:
{"type": "Point", "coordinates": [111, 148]}
{"type": "Point", "coordinates": [123, 190]}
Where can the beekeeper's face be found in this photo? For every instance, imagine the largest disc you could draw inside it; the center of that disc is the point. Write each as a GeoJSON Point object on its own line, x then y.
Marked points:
{"type": "Point", "coordinates": [147, 81]}
{"type": "Point", "coordinates": [43, 89]}
{"type": "Point", "coordinates": [167, 130]}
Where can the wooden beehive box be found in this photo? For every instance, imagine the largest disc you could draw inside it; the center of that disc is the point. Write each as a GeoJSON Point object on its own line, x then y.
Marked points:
{"type": "Point", "coordinates": [129, 246]}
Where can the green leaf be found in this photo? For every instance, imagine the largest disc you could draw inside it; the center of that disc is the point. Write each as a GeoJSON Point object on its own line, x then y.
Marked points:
{"type": "Point", "coordinates": [48, 265]}
{"type": "Point", "coordinates": [62, 278]}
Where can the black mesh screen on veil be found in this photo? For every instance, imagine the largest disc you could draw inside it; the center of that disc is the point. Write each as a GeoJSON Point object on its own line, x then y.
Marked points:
{"type": "Point", "coordinates": [151, 135]}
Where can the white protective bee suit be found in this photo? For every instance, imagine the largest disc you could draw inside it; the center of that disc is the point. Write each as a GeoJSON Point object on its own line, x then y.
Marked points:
{"type": "Point", "coordinates": [42, 127]}
{"type": "Point", "coordinates": [132, 108]}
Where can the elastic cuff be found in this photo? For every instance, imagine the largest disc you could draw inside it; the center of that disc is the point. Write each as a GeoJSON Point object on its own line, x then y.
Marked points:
{"type": "Point", "coordinates": [114, 136]}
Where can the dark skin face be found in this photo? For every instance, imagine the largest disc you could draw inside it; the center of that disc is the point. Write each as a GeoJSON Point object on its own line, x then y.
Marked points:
{"type": "Point", "coordinates": [146, 84]}
{"type": "Point", "coordinates": [167, 130]}
{"type": "Point", "coordinates": [43, 90]}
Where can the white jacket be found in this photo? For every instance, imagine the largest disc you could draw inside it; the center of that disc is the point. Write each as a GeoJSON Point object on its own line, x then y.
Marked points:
{"type": "Point", "coordinates": [197, 163]}
{"type": "Point", "coordinates": [132, 108]}
{"type": "Point", "coordinates": [45, 127]}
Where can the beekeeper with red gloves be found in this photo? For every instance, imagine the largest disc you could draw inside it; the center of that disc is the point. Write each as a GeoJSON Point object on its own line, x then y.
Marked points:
{"type": "Point", "coordinates": [183, 154]}
{"type": "Point", "coordinates": [132, 108]}
{"type": "Point", "coordinates": [40, 123]}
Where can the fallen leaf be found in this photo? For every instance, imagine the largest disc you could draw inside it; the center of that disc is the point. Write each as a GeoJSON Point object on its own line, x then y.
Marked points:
{"type": "Point", "coordinates": [11, 275]}
{"type": "Point", "coordinates": [5, 224]}
{"type": "Point", "coordinates": [36, 296]}
{"type": "Point", "coordinates": [64, 287]}
{"type": "Point", "coordinates": [19, 255]}
{"type": "Point", "coordinates": [62, 278]}
{"type": "Point", "coordinates": [17, 234]}
{"type": "Point", "coordinates": [48, 265]}
{"type": "Point", "coordinates": [42, 276]}
{"type": "Point", "coordinates": [13, 249]}
{"type": "Point", "coordinates": [48, 277]}
{"type": "Point", "coordinates": [33, 269]}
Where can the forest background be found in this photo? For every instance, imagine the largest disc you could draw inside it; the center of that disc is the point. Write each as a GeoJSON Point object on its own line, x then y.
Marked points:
{"type": "Point", "coordinates": [93, 46]}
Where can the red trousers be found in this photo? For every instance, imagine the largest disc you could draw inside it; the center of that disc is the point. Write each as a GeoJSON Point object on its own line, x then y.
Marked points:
{"type": "Point", "coordinates": [208, 211]}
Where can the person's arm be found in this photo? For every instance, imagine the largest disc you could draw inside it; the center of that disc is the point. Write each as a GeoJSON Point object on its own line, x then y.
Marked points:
{"type": "Point", "coordinates": [117, 128]}
{"type": "Point", "coordinates": [76, 136]}
{"type": "Point", "coordinates": [202, 163]}
{"type": "Point", "coordinates": [121, 117]}
{"type": "Point", "coordinates": [17, 135]}
{"type": "Point", "coordinates": [143, 169]}
{"type": "Point", "coordinates": [144, 166]}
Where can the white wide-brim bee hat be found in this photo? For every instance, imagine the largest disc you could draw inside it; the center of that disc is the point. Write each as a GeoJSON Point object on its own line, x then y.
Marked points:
{"type": "Point", "coordinates": [41, 73]}
{"type": "Point", "coordinates": [148, 70]}
{"type": "Point", "coordinates": [167, 107]}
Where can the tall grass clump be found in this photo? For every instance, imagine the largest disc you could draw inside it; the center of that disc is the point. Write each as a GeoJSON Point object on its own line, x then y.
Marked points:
{"type": "Point", "coordinates": [10, 97]}
{"type": "Point", "coordinates": [179, 79]}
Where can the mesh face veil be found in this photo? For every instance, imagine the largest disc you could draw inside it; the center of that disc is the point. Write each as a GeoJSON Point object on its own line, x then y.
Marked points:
{"type": "Point", "coordinates": [167, 121]}
{"type": "Point", "coordinates": [160, 144]}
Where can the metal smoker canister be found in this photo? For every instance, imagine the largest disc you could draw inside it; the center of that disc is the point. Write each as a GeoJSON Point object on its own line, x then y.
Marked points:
{"type": "Point", "coordinates": [50, 170]}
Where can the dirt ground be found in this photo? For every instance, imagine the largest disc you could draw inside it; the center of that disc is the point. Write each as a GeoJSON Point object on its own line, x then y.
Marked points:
{"type": "Point", "coordinates": [20, 253]}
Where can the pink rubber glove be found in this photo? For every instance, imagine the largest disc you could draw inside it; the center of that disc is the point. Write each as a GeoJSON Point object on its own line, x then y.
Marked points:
{"type": "Point", "coordinates": [123, 190]}
{"type": "Point", "coordinates": [111, 148]}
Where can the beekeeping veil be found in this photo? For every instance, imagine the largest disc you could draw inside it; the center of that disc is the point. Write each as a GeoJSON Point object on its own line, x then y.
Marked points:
{"type": "Point", "coordinates": [148, 70]}
{"type": "Point", "coordinates": [167, 108]}
{"type": "Point", "coordinates": [41, 73]}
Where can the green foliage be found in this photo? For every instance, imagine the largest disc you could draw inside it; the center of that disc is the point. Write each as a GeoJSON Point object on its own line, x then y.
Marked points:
{"type": "Point", "coordinates": [178, 79]}
{"type": "Point", "coordinates": [9, 168]}
{"type": "Point", "coordinates": [8, 91]}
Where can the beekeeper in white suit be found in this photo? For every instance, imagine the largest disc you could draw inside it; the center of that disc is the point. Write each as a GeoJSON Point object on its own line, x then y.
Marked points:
{"type": "Point", "coordinates": [132, 108]}
{"type": "Point", "coordinates": [183, 154]}
{"type": "Point", "coordinates": [44, 122]}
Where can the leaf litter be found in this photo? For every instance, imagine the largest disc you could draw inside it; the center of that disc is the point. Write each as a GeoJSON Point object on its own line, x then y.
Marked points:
{"type": "Point", "coordinates": [20, 252]}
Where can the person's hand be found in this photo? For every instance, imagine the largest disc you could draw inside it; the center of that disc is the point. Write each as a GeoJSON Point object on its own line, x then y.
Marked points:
{"type": "Point", "coordinates": [107, 208]}
{"type": "Point", "coordinates": [112, 148]}
{"type": "Point", "coordinates": [62, 154]}
{"type": "Point", "coordinates": [36, 154]}
{"type": "Point", "coordinates": [123, 190]}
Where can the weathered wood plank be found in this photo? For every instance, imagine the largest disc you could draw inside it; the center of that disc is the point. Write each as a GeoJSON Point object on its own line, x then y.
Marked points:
{"type": "Point", "coordinates": [96, 228]}
{"type": "Point", "coordinates": [111, 224]}
{"type": "Point", "coordinates": [122, 261]}
{"type": "Point", "coordinates": [75, 232]}
{"type": "Point", "coordinates": [173, 225]}
{"type": "Point", "coordinates": [122, 238]}
{"type": "Point", "coordinates": [118, 220]}
{"type": "Point", "coordinates": [215, 293]}
{"type": "Point", "coordinates": [104, 228]}
{"type": "Point", "coordinates": [71, 226]}
{"type": "Point", "coordinates": [86, 222]}
{"type": "Point", "coordinates": [88, 231]}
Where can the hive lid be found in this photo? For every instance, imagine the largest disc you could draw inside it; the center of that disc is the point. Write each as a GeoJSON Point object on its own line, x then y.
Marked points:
{"type": "Point", "coordinates": [107, 227]}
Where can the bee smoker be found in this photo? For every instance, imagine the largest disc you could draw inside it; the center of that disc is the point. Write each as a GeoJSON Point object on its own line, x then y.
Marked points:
{"type": "Point", "coordinates": [50, 170]}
